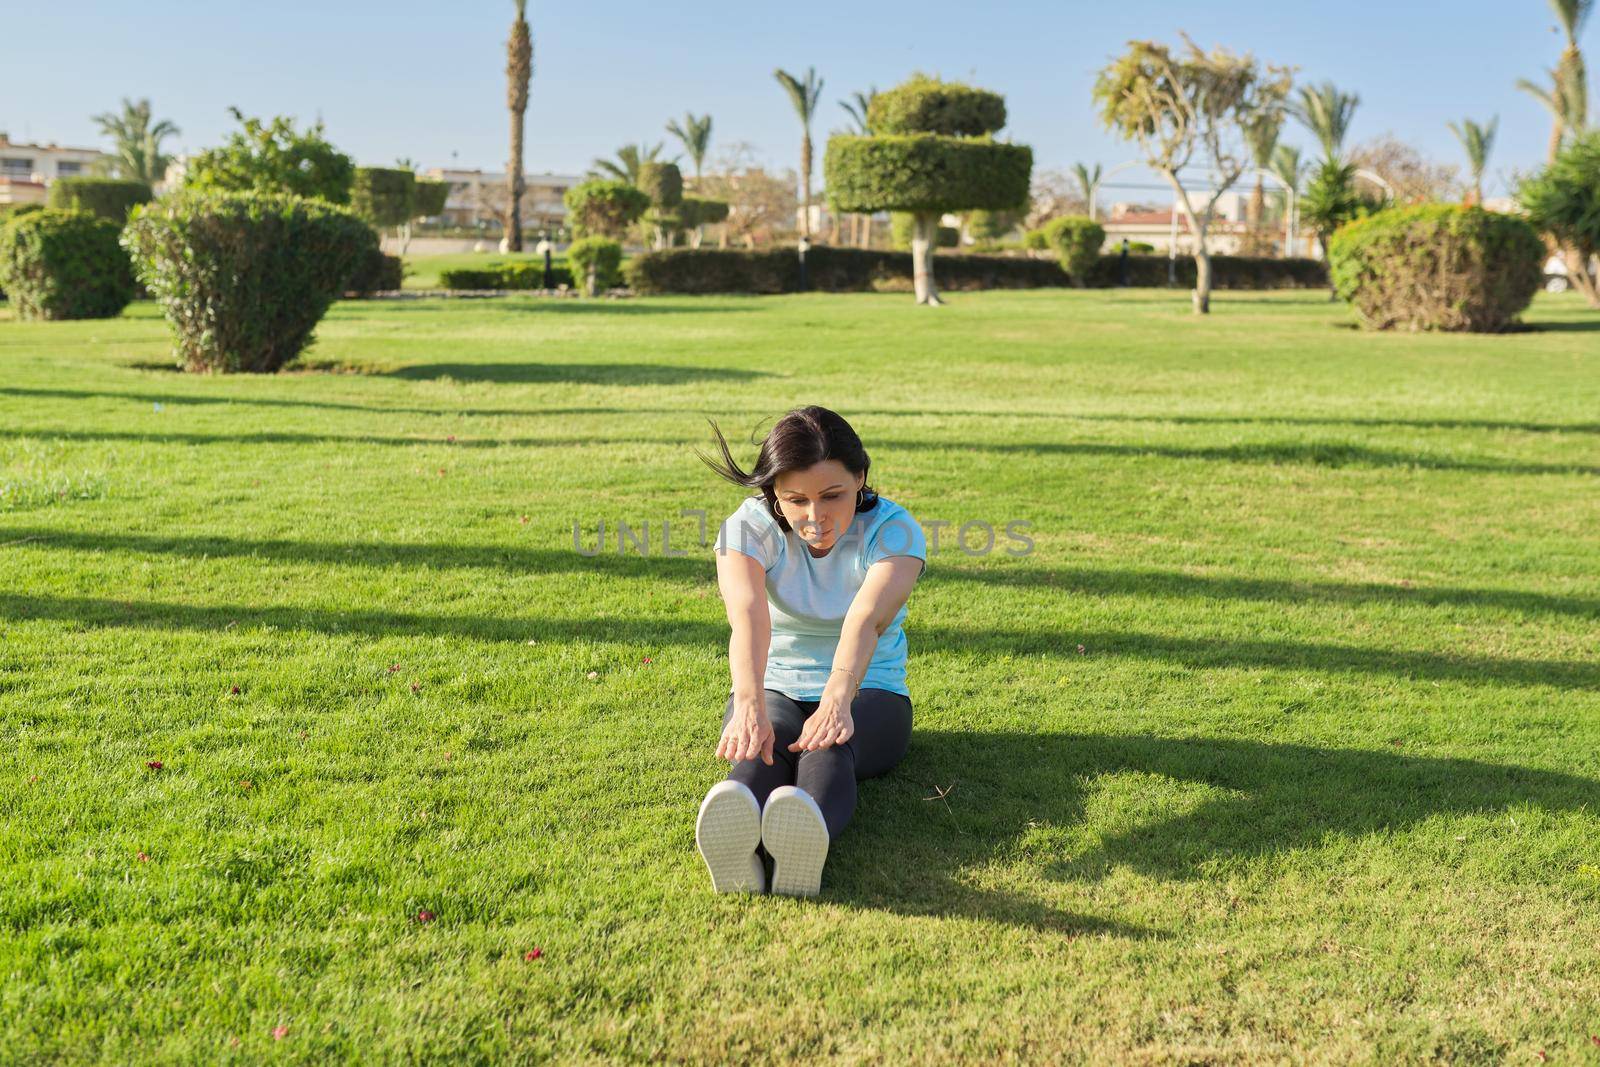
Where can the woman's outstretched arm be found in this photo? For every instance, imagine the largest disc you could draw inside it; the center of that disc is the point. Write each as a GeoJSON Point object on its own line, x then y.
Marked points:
{"type": "Point", "coordinates": [744, 595]}
{"type": "Point", "coordinates": [884, 592]}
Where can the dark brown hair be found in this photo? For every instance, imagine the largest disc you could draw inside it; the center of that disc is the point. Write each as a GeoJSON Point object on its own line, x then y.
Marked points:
{"type": "Point", "coordinates": [802, 438]}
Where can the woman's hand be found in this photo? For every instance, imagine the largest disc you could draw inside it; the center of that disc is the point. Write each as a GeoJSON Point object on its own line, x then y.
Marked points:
{"type": "Point", "coordinates": [829, 725]}
{"type": "Point", "coordinates": [748, 734]}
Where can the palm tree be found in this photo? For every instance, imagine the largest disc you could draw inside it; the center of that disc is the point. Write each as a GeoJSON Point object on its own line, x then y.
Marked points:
{"type": "Point", "coordinates": [1567, 98]}
{"type": "Point", "coordinates": [695, 133]}
{"type": "Point", "coordinates": [1089, 182]}
{"type": "Point", "coordinates": [1327, 113]}
{"type": "Point", "coordinates": [1287, 168]}
{"type": "Point", "coordinates": [1477, 141]}
{"type": "Point", "coordinates": [1262, 137]}
{"type": "Point", "coordinates": [519, 72]}
{"type": "Point", "coordinates": [859, 108]}
{"type": "Point", "coordinates": [630, 158]}
{"type": "Point", "coordinates": [804, 96]}
{"type": "Point", "coordinates": [137, 141]}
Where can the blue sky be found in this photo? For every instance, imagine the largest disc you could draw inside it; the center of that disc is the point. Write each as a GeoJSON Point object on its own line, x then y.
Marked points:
{"type": "Point", "coordinates": [426, 80]}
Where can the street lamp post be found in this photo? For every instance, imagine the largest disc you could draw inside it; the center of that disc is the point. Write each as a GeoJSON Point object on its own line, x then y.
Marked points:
{"type": "Point", "coordinates": [801, 248]}
{"type": "Point", "coordinates": [544, 248]}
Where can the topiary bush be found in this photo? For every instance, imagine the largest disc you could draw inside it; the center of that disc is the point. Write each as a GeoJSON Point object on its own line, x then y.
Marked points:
{"type": "Point", "coordinates": [597, 260]}
{"type": "Point", "coordinates": [245, 277]}
{"type": "Point", "coordinates": [384, 196]}
{"type": "Point", "coordinates": [64, 265]}
{"type": "Point", "coordinates": [1437, 267]}
{"type": "Point", "coordinates": [430, 196]}
{"type": "Point", "coordinates": [931, 151]}
{"type": "Point", "coordinates": [604, 208]}
{"type": "Point", "coordinates": [1076, 241]}
{"type": "Point", "coordinates": [110, 198]}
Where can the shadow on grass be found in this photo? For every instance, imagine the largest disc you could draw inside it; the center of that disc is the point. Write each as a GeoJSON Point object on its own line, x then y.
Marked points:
{"type": "Point", "coordinates": [356, 310]}
{"type": "Point", "coordinates": [1442, 423]}
{"type": "Point", "coordinates": [270, 437]}
{"type": "Point", "coordinates": [1023, 797]}
{"type": "Point", "coordinates": [574, 373]}
{"type": "Point", "coordinates": [1048, 642]}
{"type": "Point", "coordinates": [1314, 454]}
{"type": "Point", "coordinates": [1153, 585]}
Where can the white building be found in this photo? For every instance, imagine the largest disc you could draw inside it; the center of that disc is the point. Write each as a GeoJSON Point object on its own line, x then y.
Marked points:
{"type": "Point", "coordinates": [478, 197]}
{"type": "Point", "coordinates": [26, 170]}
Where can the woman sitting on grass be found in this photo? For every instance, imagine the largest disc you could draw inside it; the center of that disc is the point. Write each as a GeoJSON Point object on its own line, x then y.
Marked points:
{"type": "Point", "coordinates": [814, 572]}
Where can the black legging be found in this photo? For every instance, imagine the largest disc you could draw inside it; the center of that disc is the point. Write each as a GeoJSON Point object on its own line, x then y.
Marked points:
{"type": "Point", "coordinates": [882, 731]}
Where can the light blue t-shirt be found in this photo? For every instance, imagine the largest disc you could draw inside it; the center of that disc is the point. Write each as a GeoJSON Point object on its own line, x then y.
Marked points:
{"type": "Point", "coordinates": [808, 596]}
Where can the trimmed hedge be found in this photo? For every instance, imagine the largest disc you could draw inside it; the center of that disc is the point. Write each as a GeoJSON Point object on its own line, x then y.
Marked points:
{"type": "Point", "coordinates": [64, 265]}
{"type": "Point", "coordinates": [600, 254]}
{"type": "Point", "coordinates": [696, 211]}
{"type": "Point", "coordinates": [110, 198]}
{"type": "Point", "coordinates": [510, 276]}
{"type": "Point", "coordinates": [926, 105]}
{"type": "Point", "coordinates": [604, 208]}
{"type": "Point", "coordinates": [1076, 241]}
{"type": "Point", "coordinates": [384, 196]}
{"type": "Point", "coordinates": [431, 196]}
{"type": "Point", "coordinates": [684, 270]}
{"type": "Point", "coordinates": [1437, 267]}
{"type": "Point", "coordinates": [662, 183]}
{"type": "Point", "coordinates": [245, 277]}
{"type": "Point", "coordinates": [378, 272]}
{"type": "Point", "coordinates": [925, 173]}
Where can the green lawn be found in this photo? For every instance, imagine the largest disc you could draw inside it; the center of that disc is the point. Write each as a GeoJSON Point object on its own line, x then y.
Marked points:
{"type": "Point", "coordinates": [1284, 742]}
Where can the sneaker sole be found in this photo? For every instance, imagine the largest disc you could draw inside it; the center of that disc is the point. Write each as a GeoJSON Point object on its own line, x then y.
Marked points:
{"type": "Point", "coordinates": [796, 837]}
{"type": "Point", "coordinates": [727, 832]}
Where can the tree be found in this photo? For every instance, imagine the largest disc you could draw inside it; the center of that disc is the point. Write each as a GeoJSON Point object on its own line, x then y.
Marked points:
{"type": "Point", "coordinates": [1262, 138]}
{"type": "Point", "coordinates": [1327, 113]}
{"type": "Point", "coordinates": [603, 208]}
{"type": "Point", "coordinates": [1179, 106]}
{"type": "Point", "coordinates": [663, 184]}
{"type": "Point", "coordinates": [932, 150]}
{"type": "Point", "coordinates": [1567, 99]}
{"type": "Point", "coordinates": [1053, 192]}
{"type": "Point", "coordinates": [1563, 200]}
{"type": "Point", "coordinates": [1477, 142]}
{"type": "Point", "coordinates": [1088, 182]}
{"type": "Point", "coordinates": [519, 72]}
{"type": "Point", "coordinates": [1290, 172]}
{"type": "Point", "coordinates": [274, 158]}
{"type": "Point", "coordinates": [630, 160]}
{"type": "Point", "coordinates": [1331, 200]}
{"type": "Point", "coordinates": [859, 108]}
{"type": "Point", "coordinates": [695, 133]}
{"type": "Point", "coordinates": [804, 96]}
{"type": "Point", "coordinates": [136, 141]}
{"type": "Point", "coordinates": [1410, 176]}
{"type": "Point", "coordinates": [761, 206]}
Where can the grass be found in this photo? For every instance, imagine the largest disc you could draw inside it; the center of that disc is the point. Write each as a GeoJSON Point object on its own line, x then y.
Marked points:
{"type": "Point", "coordinates": [1282, 744]}
{"type": "Point", "coordinates": [422, 272]}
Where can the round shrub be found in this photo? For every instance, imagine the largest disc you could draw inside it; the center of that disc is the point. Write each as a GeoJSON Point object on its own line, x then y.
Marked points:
{"type": "Point", "coordinates": [596, 262]}
{"type": "Point", "coordinates": [377, 272]}
{"type": "Point", "coordinates": [926, 105]}
{"type": "Point", "coordinates": [605, 208]}
{"type": "Point", "coordinates": [110, 198]}
{"type": "Point", "coordinates": [64, 265]}
{"type": "Point", "coordinates": [662, 183]}
{"type": "Point", "coordinates": [245, 277]}
{"type": "Point", "coordinates": [925, 173]}
{"type": "Point", "coordinates": [1076, 241]}
{"type": "Point", "coordinates": [1034, 241]}
{"type": "Point", "coordinates": [1437, 267]}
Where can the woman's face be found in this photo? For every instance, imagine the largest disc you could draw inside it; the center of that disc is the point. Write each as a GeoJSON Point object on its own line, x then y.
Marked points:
{"type": "Point", "coordinates": [819, 502]}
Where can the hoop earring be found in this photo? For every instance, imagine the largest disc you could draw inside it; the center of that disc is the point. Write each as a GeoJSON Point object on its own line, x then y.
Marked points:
{"type": "Point", "coordinates": [861, 495]}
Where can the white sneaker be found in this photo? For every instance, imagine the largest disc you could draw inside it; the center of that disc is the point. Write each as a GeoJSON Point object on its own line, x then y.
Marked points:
{"type": "Point", "coordinates": [727, 833]}
{"type": "Point", "coordinates": [796, 837]}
